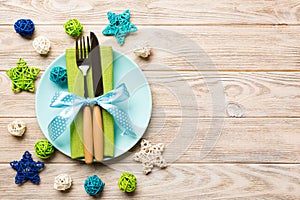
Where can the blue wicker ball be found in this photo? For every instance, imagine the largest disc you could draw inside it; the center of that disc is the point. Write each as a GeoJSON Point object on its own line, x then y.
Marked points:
{"type": "Point", "coordinates": [58, 75]}
{"type": "Point", "coordinates": [93, 185]}
{"type": "Point", "coordinates": [25, 27]}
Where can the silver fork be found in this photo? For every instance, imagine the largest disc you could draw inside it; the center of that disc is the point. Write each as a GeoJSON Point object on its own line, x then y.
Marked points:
{"type": "Point", "coordinates": [83, 64]}
{"type": "Point", "coordinates": [82, 59]}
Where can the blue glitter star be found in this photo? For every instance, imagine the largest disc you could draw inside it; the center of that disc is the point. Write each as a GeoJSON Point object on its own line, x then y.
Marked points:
{"type": "Point", "coordinates": [119, 26]}
{"type": "Point", "coordinates": [27, 169]}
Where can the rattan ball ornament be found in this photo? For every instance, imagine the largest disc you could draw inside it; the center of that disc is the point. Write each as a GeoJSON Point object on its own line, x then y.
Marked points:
{"type": "Point", "coordinates": [16, 128]}
{"type": "Point", "coordinates": [73, 27]}
{"type": "Point", "coordinates": [58, 75]}
{"type": "Point", "coordinates": [43, 149]}
{"type": "Point", "coordinates": [25, 27]}
{"type": "Point", "coordinates": [62, 182]}
{"type": "Point", "coordinates": [127, 182]}
{"type": "Point", "coordinates": [93, 185]}
{"type": "Point", "coordinates": [41, 45]}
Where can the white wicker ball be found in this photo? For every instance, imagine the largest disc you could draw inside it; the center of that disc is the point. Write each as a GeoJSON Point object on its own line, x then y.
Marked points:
{"type": "Point", "coordinates": [16, 128]}
{"type": "Point", "coordinates": [62, 182]}
{"type": "Point", "coordinates": [41, 44]}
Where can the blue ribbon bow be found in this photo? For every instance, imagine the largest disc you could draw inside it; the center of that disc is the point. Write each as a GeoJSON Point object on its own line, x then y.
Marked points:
{"type": "Point", "coordinates": [72, 104]}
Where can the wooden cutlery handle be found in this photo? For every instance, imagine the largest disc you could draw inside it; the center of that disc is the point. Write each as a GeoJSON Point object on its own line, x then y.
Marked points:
{"type": "Point", "coordinates": [88, 134]}
{"type": "Point", "coordinates": [98, 133]}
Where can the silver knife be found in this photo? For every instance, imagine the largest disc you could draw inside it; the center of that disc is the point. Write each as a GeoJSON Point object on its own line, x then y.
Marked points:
{"type": "Point", "coordinates": [98, 90]}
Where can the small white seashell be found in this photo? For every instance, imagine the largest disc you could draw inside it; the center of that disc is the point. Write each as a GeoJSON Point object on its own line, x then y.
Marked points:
{"type": "Point", "coordinates": [143, 52]}
{"type": "Point", "coordinates": [235, 110]}
{"type": "Point", "coordinates": [16, 128]}
{"type": "Point", "coordinates": [62, 182]}
{"type": "Point", "coordinates": [41, 44]}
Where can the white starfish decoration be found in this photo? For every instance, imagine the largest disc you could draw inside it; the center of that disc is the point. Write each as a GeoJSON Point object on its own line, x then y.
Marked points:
{"type": "Point", "coordinates": [150, 155]}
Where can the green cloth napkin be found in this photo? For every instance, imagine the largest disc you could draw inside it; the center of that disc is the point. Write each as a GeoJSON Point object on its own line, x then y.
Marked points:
{"type": "Point", "coordinates": [75, 85]}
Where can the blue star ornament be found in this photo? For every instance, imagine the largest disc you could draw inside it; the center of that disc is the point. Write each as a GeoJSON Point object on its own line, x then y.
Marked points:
{"type": "Point", "coordinates": [27, 169]}
{"type": "Point", "coordinates": [119, 26]}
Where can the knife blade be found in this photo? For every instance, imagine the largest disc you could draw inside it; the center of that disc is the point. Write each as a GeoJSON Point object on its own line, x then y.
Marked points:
{"type": "Point", "coordinates": [98, 90]}
{"type": "Point", "coordinates": [96, 65]}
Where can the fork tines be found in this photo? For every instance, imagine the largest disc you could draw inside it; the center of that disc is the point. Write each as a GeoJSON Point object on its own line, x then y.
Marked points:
{"type": "Point", "coordinates": [82, 48]}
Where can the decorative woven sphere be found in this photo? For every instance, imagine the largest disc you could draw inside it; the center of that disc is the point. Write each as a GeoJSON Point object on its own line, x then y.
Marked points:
{"type": "Point", "coordinates": [25, 27]}
{"type": "Point", "coordinates": [58, 75]}
{"type": "Point", "coordinates": [73, 27]}
{"type": "Point", "coordinates": [127, 182]}
{"type": "Point", "coordinates": [93, 185]}
{"type": "Point", "coordinates": [41, 45]}
{"type": "Point", "coordinates": [62, 182]}
{"type": "Point", "coordinates": [43, 149]}
{"type": "Point", "coordinates": [16, 128]}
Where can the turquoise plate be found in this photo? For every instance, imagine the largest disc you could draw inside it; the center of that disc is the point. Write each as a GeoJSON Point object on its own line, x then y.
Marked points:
{"type": "Point", "coordinates": [138, 107]}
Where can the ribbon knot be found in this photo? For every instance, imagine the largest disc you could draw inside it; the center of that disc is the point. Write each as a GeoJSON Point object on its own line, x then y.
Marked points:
{"type": "Point", "coordinates": [89, 101]}
{"type": "Point", "coordinates": [71, 105]}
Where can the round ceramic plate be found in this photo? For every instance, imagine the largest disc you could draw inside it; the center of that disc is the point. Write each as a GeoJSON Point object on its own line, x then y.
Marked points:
{"type": "Point", "coordinates": [138, 107]}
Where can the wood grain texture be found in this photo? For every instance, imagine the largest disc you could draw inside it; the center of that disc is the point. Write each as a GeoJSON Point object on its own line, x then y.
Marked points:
{"type": "Point", "coordinates": [155, 11]}
{"type": "Point", "coordinates": [88, 135]}
{"type": "Point", "coordinates": [98, 134]}
{"type": "Point", "coordinates": [240, 140]}
{"type": "Point", "coordinates": [211, 60]}
{"type": "Point", "coordinates": [256, 48]}
{"type": "Point", "coordinates": [191, 181]}
{"type": "Point", "coordinates": [195, 94]}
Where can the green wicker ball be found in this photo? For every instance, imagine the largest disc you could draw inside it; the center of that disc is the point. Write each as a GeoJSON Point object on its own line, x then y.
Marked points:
{"type": "Point", "coordinates": [73, 27]}
{"type": "Point", "coordinates": [127, 182]}
{"type": "Point", "coordinates": [43, 149]}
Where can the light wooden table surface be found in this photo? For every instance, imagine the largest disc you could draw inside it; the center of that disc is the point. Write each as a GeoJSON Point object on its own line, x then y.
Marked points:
{"type": "Point", "coordinates": [250, 58]}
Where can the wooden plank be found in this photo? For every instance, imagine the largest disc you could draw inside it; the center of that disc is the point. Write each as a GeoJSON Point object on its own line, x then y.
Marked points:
{"type": "Point", "coordinates": [18, 104]}
{"type": "Point", "coordinates": [263, 48]}
{"type": "Point", "coordinates": [198, 140]}
{"type": "Point", "coordinates": [155, 12]}
{"type": "Point", "coordinates": [201, 94]}
{"type": "Point", "coordinates": [195, 94]}
{"type": "Point", "coordinates": [190, 180]}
